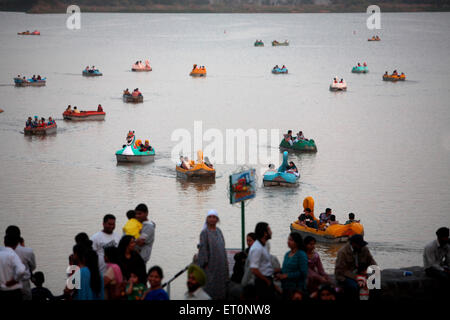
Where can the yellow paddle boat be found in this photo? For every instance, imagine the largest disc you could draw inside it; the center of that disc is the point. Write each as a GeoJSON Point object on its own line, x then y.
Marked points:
{"type": "Point", "coordinates": [195, 170]}
{"type": "Point", "coordinates": [198, 71]}
{"type": "Point", "coordinates": [394, 77]}
{"type": "Point", "coordinates": [331, 234]}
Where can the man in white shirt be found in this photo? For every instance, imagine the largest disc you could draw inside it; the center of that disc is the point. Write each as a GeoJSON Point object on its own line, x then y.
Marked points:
{"type": "Point", "coordinates": [144, 243]}
{"type": "Point", "coordinates": [436, 257]}
{"type": "Point", "coordinates": [12, 270]}
{"type": "Point", "coordinates": [196, 282]}
{"type": "Point", "coordinates": [260, 262]}
{"type": "Point", "coordinates": [27, 257]}
{"type": "Point", "coordinates": [105, 238]}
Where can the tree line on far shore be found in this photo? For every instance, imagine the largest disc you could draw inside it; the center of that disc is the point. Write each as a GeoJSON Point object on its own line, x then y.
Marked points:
{"type": "Point", "coordinates": [43, 6]}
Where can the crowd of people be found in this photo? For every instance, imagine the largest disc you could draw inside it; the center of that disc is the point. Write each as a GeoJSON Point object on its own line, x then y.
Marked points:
{"type": "Point", "coordinates": [112, 265]}
{"type": "Point", "coordinates": [38, 123]}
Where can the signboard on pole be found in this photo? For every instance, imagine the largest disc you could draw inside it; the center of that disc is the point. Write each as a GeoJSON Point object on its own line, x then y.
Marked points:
{"type": "Point", "coordinates": [242, 186]}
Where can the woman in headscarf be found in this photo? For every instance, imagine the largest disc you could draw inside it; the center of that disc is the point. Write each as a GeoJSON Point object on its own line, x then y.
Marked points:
{"type": "Point", "coordinates": [213, 258]}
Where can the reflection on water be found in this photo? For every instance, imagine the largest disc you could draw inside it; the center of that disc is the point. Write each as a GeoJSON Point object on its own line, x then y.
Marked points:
{"type": "Point", "coordinates": [371, 140]}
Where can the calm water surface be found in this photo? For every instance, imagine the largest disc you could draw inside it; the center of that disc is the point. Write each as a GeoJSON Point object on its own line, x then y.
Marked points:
{"type": "Point", "coordinates": [384, 148]}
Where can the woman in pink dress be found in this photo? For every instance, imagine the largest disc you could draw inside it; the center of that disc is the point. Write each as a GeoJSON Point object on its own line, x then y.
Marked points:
{"type": "Point", "coordinates": [316, 273]}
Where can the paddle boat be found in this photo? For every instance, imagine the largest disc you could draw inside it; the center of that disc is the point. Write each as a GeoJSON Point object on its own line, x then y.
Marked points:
{"type": "Point", "coordinates": [198, 71]}
{"type": "Point", "coordinates": [91, 72]}
{"type": "Point", "coordinates": [338, 85]}
{"type": "Point", "coordinates": [360, 68]}
{"type": "Point", "coordinates": [332, 234]}
{"type": "Point", "coordinates": [191, 170]}
{"type": "Point", "coordinates": [28, 33]}
{"type": "Point", "coordinates": [278, 70]}
{"type": "Point", "coordinates": [299, 145]}
{"type": "Point", "coordinates": [394, 76]}
{"type": "Point", "coordinates": [135, 97]}
{"type": "Point", "coordinates": [374, 38]}
{"type": "Point", "coordinates": [84, 115]}
{"type": "Point", "coordinates": [259, 43]}
{"type": "Point", "coordinates": [23, 82]}
{"type": "Point", "coordinates": [131, 151]}
{"type": "Point", "coordinates": [275, 43]}
{"type": "Point", "coordinates": [33, 128]}
{"type": "Point", "coordinates": [139, 66]}
{"type": "Point", "coordinates": [283, 177]}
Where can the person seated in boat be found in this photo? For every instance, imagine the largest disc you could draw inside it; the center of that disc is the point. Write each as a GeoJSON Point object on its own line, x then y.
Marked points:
{"type": "Point", "coordinates": [42, 122]}
{"type": "Point", "coordinates": [35, 122]}
{"type": "Point", "coordinates": [335, 80]}
{"type": "Point", "coordinates": [365, 64]}
{"type": "Point", "coordinates": [184, 163]}
{"type": "Point", "coordinates": [342, 81]}
{"type": "Point", "coordinates": [359, 64]}
{"type": "Point", "coordinates": [33, 77]}
{"type": "Point", "coordinates": [402, 74]}
{"type": "Point", "coordinates": [18, 76]}
{"type": "Point", "coordinates": [333, 220]}
{"type": "Point", "coordinates": [136, 93]}
{"type": "Point", "coordinates": [29, 123]}
{"type": "Point", "coordinates": [75, 110]}
{"type": "Point", "coordinates": [50, 121]}
{"type": "Point", "coordinates": [351, 218]}
{"type": "Point", "coordinates": [69, 108]}
{"type": "Point", "coordinates": [126, 92]}
{"type": "Point", "coordinates": [299, 137]}
{"type": "Point", "coordinates": [99, 108]}
{"type": "Point", "coordinates": [386, 74]}
{"type": "Point", "coordinates": [146, 146]}
{"type": "Point", "coordinates": [194, 67]}
{"type": "Point", "coordinates": [307, 219]}
{"type": "Point", "coordinates": [395, 73]}
{"type": "Point", "coordinates": [291, 168]}
{"type": "Point", "coordinates": [283, 67]}
{"type": "Point", "coordinates": [39, 77]}
{"type": "Point", "coordinates": [288, 137]}
{"type": "Point", "coordinates": [325, 216]}
{"type": "Point", "coordinates": [86, 69]}
{"type": "Point", "coordinates": [276, 67]}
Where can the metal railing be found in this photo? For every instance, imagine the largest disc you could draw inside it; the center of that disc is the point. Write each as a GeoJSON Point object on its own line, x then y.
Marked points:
{"type": "Point", "coordinates": [172, 279]}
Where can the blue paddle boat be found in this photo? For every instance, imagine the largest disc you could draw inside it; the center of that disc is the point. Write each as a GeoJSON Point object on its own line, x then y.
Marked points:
{"type": "Point", "coordinates": [284, 176]}
{"type": "Point", "coordinates": [360, 69]}
{"type": "Point", "coordinates": [91, 73]}
{"type": "Point", "coordinates": [277, 70]}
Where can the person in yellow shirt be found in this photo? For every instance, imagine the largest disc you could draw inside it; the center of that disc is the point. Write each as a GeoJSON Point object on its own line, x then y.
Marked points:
{"type": "Point", "coordinates": [133, 227]}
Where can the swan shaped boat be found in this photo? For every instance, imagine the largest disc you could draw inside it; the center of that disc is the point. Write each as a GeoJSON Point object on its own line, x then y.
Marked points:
{"type": "Point", "coordinates": [302, 145]}
{"type": "Point", "coordinates": [332, 234]}
{"type": "Point", "coordinates": [196, 170]}
{"type": "Point", "coordinates": [281, 177]}
{"type": "Point", "coordinates": [198, 72]}
{"type": "Point", "coordinates": [131, 152]}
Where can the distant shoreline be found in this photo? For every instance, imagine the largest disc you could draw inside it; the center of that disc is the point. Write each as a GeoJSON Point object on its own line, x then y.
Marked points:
{"type": "Point", "coordinates": [60, 8]}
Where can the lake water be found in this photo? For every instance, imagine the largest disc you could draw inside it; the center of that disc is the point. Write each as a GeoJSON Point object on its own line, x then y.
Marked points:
{"type": "Point", "coordinates": [383, 148]}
